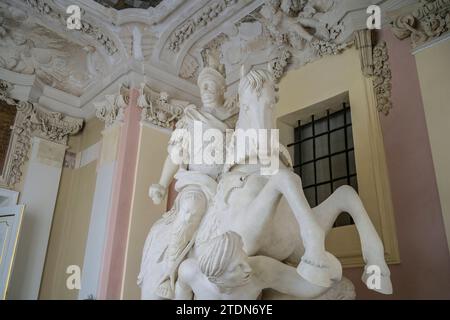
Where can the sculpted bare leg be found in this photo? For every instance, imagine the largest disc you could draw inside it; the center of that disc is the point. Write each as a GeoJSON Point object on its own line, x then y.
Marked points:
{"type": "Point", "coordinates": [345, 199]}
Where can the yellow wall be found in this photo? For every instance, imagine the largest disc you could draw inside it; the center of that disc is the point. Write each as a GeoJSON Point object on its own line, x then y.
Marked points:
{"type": "Point", "coordinates": [433, 66]}
{"type": "Point", "coordinates": [71, 218]}
{"type": "Point", "coordinates": [334, 77]}
{"type": "Point", "coordinates": [151, 155]}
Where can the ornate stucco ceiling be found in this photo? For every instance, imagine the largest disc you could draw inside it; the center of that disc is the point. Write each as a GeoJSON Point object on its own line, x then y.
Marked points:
{"type": "Point", "coordinates": [127, 4]}
{"type": "Point", "coordinates": [159, 43]}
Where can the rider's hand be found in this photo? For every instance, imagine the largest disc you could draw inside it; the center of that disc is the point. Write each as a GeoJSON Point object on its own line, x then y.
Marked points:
{"type": "Point", "coordinates": [157, 193]}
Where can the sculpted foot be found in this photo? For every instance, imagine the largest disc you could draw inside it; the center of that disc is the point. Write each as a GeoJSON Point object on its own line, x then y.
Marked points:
{"type": "Point", "coordinates": [320, 271]}
{"type": "Point", "coordinates": [335, 267]}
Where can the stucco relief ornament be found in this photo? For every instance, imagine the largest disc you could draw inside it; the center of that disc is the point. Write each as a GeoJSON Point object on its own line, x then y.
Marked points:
{"type": "Point", "coordinates": [201, 19]}
{"type": "Point", "coordinates": [27, 47]}
{"type": "Point", "coordinates": [331, 46]}
{"type": "Point", "coordinates": [430, 20]}
{"type": "Point", "coordinates": [189, 68]}
{"type": "Point", "coordinates": [111, 109]}
{"type": "Point", "coordinates": [48, 9]}
{"type": "Point", "coordinates": [5, 88]}
{"type": "Point", "coordinates": [382, 77]}
{"type": "Point", "coordinates": [279, 64]}
{"type": "Point", "coordinates": [55, 128]}
{"type": "Point", "coordinates": [158, 109]}
{"type": "Point", "coordinates": [293, 28]}
{"type": "Point", "coordinates": [298, 33]}
{"type": "Point", "coordinates": [33, 120]}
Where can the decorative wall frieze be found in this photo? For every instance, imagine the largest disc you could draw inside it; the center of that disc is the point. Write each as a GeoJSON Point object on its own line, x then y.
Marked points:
{"type": "Point", "coordinates": [428, 21]}
{"type": "Point", "coordinates": [47, 9]}
{"type": "Point", "coordinates": [111, 109]}
{"type": "Point", "coordinates": [32, 120]}
{"type": "Point", "coordinates": [375, 65]}
{"type": "Point", "coordinates": [328, 48]}
{"type": "Point", "coordinates": [202, 19]}
{"type": "Point", "coordinates": [382, 77]}
{"type": "Point", "coordinates": [158, 108]}
{"type": "Point", "coordinates": [279, 64]}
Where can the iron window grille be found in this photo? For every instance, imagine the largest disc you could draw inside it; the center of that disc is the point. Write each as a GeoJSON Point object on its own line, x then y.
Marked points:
{"type": "Point", "coordinates": [324, 156]}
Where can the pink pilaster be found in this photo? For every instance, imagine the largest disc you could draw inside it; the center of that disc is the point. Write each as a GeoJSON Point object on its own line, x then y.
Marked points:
{"type": "Point", "coordinates": [120, 210]}
{"type": "Point", "coordinates": [424, 271]}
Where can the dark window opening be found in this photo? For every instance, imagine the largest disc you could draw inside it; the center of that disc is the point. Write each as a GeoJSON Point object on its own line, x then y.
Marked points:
{"type": "Point", "coordinates": [324, 157]}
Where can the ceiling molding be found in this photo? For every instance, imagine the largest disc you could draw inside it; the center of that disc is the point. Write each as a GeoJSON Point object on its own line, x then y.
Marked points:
{"type": "Point", "coordinates": [70, 81]}
{"type": "Point", "coordinates": [423, 22]}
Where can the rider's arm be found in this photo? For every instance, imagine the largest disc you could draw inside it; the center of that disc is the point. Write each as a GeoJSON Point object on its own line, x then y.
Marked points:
{"type": "Point", "coordinates": [283, 278]}
{"type": "Point", "coordinates": [157, 192]}
{"type": "Point", "coordinates": [168, 172]}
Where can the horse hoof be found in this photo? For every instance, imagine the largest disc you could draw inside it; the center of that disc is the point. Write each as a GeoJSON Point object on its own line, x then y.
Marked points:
{"type": "Point", "coordinates": [379, 283]}
{"type": "Point", "coordinates": [320, 274]}
{"type": "Point", "coordinates": [335, 267]}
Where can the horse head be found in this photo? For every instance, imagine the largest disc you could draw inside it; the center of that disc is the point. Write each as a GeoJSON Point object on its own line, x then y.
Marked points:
{"type": "Point", "coordinates": [258, 95]}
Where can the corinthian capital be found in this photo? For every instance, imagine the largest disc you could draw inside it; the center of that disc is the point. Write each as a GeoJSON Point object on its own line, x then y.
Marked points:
{"type": "Point", "coordinates": [158, 108]}
{"type": "Point", "coordinates": [32, 120]}
{"type": "Point", "coordinates": [111, 109]}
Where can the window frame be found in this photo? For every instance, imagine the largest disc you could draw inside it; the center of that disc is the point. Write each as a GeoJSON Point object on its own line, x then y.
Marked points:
{"type": "Point", "coordinates": [372, 175]}
{"type": "Point", "coordinates": [300, 141]}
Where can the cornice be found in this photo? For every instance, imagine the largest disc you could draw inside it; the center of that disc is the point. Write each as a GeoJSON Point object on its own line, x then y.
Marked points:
{"type": "Point", "coordinates": [32, 120]}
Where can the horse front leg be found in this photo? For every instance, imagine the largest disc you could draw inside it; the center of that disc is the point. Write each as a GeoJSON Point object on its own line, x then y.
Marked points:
{"type": "Point", "coordinates": [254, 218]}
{"type": "Point", "coordinates": [317, 266]}
{"type": "Point", "coordinates": [346, 199]}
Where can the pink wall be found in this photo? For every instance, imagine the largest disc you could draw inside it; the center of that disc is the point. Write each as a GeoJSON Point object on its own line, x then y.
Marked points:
{"type": "Point", "coordinates": [424, 272]}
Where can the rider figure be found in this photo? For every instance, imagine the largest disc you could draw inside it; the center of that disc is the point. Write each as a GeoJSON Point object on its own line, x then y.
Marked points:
{"type": "Point", "coordinates": [196, 182]}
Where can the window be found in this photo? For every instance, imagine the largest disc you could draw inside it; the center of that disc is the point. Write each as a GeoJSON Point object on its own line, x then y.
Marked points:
{"type": "Point", "coordinates": [326, 85]}
{"type": "Point", "coordinates": [324, 156]}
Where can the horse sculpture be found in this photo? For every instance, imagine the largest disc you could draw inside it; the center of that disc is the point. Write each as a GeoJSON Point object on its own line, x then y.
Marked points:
{"type": "Point", "coordinates": [248, 203]}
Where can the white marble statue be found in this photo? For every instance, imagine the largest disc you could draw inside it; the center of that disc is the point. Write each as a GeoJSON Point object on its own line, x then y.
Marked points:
{"type": "Point", "coordinates": [196, 183]}
{"type": "Point", "coordinates": [242, 201]}
{"type": "Point", "coordinates": [224, 271]}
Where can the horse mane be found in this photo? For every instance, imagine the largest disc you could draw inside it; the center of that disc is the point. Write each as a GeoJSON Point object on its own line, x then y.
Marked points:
{"type": "Point", "coordinates": [255, 80]}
